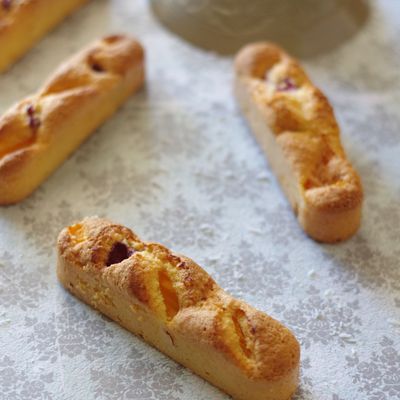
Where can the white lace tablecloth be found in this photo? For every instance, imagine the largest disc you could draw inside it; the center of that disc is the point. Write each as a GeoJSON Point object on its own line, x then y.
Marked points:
{"type": "Point", "coordinates": [179, 166]}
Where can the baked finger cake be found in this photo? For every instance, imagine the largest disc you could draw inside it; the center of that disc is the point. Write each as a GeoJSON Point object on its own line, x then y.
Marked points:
{"type": "Point", "coordinates": [296, 127]}
{"type": "Point", "coordinates": [24, 22]}
{"type": "Point", "coordinates": [41, 131]}
{"type": "Point", "coordinates": [175, 306]}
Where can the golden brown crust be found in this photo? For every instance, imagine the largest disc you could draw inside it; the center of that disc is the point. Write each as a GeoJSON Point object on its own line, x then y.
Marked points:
{"type": "Point", "coordinates": [277, 96]}
{"type": "Point", "coordinates": [43, 129]}
{"type": "Point", "coordinates": [24, 22]}
{"type": "Point", "coordinates": [184, 298]}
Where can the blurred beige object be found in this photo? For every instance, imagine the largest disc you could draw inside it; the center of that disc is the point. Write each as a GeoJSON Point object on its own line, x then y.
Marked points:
{"type": "Point", "coordinates": [304, 27]}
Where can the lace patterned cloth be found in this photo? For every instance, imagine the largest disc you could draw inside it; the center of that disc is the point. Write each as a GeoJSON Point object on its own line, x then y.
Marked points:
{"type": "Point", "coordinates": [178, 165]}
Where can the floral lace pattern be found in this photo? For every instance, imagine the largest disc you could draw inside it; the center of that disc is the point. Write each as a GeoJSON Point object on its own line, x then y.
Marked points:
{"type": "Point", "coordinates": [178, 165]}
